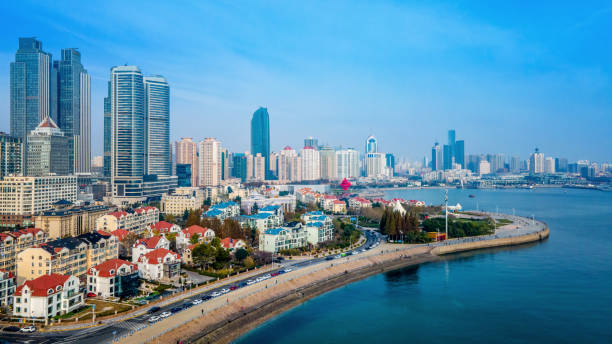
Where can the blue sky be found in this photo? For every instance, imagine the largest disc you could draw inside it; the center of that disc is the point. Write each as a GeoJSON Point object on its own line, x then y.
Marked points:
{"type": "Point", "coordinates": [508, 77]}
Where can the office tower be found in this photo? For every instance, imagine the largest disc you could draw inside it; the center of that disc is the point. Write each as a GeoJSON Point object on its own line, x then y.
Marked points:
{"type": "Point", "coordinates": [30, 94]}
{"type": "Point", "coordinates": [460, 153]}
{"type": "Point", "coordinates": [348, 163]}
{"type": "Point", "coordinates": [473, 163]}
{"type": "Point", "coordinates": [451, 144]}
{"type": "Point", "coordinates": [11, 155]}
{"type": "Point", "coordinates": [48, 150]}
{"type": "Point", "coordinates": [390, 163]}
{"type": "Point", "coordinates": [260, 135]}
{"type": "Point", "coordinates": [329, 168]}
{"type": "Point", "coordinates": [311, 142]}
{"type": "Point", "coordinates": [311, 169]}
{"type": "Point", "coordinates": [71, 87]}
{"type": "Point", "coordinates": [183, 173]}
{"type": "Point", "coordinates": [515, 164]}
{"type": "Point", "coordinates": [210, 162]}
{"type": "Point", "coordinates": [536, 162]}
{"type": "Point", "coordinates": [561, 165]}
{"type": "Point", "coordinates": [448, 158]}
{"type": "Point", "coordinates": [157, 126]}
{"type": "Point", "coordinates": [484, 167]}
{"type": "Point", "coordinates": [371, 145]}
{"type": "Point", "coordinates": [127, 131]}
{"type": "Point", "coordinates": [186, 152]}
{"type": "Point", "coordinates": [549, 165]}
{"type": "Point", "coordinates": [437, 159]}
{"type": "Point", "coordinates": [224, 158]}
{"type": "Point", "coordinates": [375, 165]}
{"type": "Point", "coordinates": [107, 132]}
{"type": "Point", "coordinates": [239, 168]}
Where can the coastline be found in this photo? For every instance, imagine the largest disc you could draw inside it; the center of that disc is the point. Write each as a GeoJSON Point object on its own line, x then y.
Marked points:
{"type": "Point", "coordinates": [231, 320]}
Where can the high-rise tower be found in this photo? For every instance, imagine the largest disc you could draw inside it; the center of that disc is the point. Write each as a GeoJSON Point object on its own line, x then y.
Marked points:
{"type": "Point", "coordinates": [157, 126]}
{"type": "Point", "coordinates": [260, 136]}
{"type": "Point", "coordinates": [30, 93]}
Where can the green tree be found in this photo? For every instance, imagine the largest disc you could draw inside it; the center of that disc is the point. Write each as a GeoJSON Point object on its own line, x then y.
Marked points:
{"type": "Point", "coordinates": [185, 214]}
{"type": "Point", "coordinates": [195, 237]}
{"type": "Point", "coordinates": [241, 254]}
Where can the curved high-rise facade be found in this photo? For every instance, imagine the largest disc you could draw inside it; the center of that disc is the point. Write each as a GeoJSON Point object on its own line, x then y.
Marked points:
{"type": "Point", "coordinates": [371, 145]}
{"type": "Point", "coordinates": [157, 122]}
{"type": "Point", "coordinates": [260, 135]}
{"type": "Point", "coordinates": [127, 131]}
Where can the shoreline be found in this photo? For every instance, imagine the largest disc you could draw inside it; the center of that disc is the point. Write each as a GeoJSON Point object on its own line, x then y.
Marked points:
{"type": "Point", "coordinates": [230, 321]}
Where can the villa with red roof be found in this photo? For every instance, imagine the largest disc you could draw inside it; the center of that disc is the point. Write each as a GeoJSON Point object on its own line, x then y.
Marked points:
{"type": "Point", "coordinates": [359, 203]}
{"type": "Point", "coordinates": [339, 207]}
{"type": "Point", "coordinates": [163, 227]}
{"type": "Point", "coordinates": [160, 264]}
{"type": "Point", "coordinates": [184, 237]}
{"type": "Point", "coordinates": [12, 243]}
{"type": "Point", "coordinates": [113, 278]}
{"type": "Point", "coordinates": [144, 246]}
{"type": "Point", "coordinates": [231, 244]}
{"type": "Point", "coordinates": [47, 296]}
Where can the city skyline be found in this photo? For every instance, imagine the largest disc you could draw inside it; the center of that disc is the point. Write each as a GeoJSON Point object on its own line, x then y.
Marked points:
{"type": "Point", "coordinates": [542, 93]}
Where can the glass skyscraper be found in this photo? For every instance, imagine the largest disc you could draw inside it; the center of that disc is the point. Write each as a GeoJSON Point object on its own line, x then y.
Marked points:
{"type": "Point", "coordinates": [460, 153]}
{"type": "Point", "coordinates": [107, 133]}
{"type": "Point", "coordinates": [371, 145]}
{"type": "Point", "coordinates": [11, 155]}
{"type": "Point", "coordinates": [127, 131]}
{"type": "Point", "coordinates": [30, 94]}
{"type": "Point", "coordinates": [71, 86]}
{"type": "Point", "coordinates": [260, 136]}
{"type": "Point", "coordinates": [157, 122]}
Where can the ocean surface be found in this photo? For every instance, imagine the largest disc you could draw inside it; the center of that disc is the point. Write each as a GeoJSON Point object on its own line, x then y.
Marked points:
{"type": "Point", "coordinates": [556, 291]}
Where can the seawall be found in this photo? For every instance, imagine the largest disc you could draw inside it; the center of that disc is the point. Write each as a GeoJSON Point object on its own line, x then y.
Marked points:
{"type": "Point", "coordinates": [476, 245]}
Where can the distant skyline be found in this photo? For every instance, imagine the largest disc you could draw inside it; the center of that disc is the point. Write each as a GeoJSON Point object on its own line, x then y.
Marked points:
{"type": "Point", "coordinates": [508, 78]}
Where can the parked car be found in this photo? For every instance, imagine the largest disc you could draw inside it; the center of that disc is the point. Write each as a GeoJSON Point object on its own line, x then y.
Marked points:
{"type": "Point", "coordinates": [234, 287]}
{"type": "Point", "coordinates": [92, 294]}
{"type": "Point", "coordinates": [274, 274]}
{"type": "Point", "coordinates": [28, 329]}
{"type": "Point", "coordinates": [154, 309]}
{"type": "Point", "coordinates": [215, 294]}
{"type": "Point", "coordinates": [249, 282]}
{"type": "Point", "coordinates": [165, 315]}
{"type": "Point", "coordinates": [225, 291]}
{"type": "Point", "coordinates": [288, 269]}
{"type": "Point", "coordinates": [187, 305]}
{"type": "Point", "coordinates": [11, 329]}
{"type": "Point", "coordinates": [153, 319]}
{"type": "Point", "coordinates": [329, 258]}
{"type": "Point", "coordinates": [206, 297]}
{"type": "Point", "coordinates": [196, 302]}
{"type": "Point", "coordinates": [176, 309]}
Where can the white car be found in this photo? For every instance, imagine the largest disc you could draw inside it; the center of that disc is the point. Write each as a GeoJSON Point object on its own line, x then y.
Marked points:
{"type": "Point", "coordinates": [288, 269]}
{"type": "Point", "coordinates": [166, 314]}
{"type": "Point", "coordinates": [28, 329]}
{"type": "Point", "coordinates": [259, 279]}
{"type": "Point", "coordinates": [197, 302]}
{"type": "Point", "coordinates": [153, 319]}
{"type": "Point", "coordinates": [225, 291]}
{"type": "Point", "coordinates": [249, 282]}
{"type": "Point", "coordinates": [268, 276]}
{"type": "Point", "coordinates": [215, 294]}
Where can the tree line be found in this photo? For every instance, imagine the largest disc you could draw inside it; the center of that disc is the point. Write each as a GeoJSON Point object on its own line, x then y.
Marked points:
{"type": "Point", "coordinates": [404, 228]}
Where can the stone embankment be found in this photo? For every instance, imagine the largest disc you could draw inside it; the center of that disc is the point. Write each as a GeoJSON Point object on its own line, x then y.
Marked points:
{"type": "Point", "coordinates": [224, 319]}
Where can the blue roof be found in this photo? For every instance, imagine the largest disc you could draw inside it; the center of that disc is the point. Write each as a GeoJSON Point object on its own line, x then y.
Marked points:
{"type": "Point", "coordinates": [261, 216]}
{"type": "Point", "coordinates": [213, 212]}
{"type": "Point", "coordinates": [274, 231]}
{"type": "Point", "coordinates": [319, 218]}
{"type": "Point", "coordinates": [317, 212]}
{"type": "Point", "coordinates": [316, 224]}
{"type": "Point", "coordinates": [223, 205]}
{"type": "Point", "coordinates": [270, 208]}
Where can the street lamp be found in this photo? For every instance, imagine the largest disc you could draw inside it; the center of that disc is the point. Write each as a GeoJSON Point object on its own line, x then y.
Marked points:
{"type": "Point", "coordinates": [446, 212]}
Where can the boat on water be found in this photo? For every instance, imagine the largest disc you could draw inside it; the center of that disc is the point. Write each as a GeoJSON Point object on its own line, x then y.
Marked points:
{"type": "Point", "coordinates": [471, 196]}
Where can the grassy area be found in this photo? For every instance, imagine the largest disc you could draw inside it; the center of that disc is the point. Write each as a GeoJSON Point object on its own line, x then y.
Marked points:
{"type": "Point", "coordinates": [104, 308]}
{"type": "Point", "coordinates": [503, 222]}
{"type": "Point", "coordinates": [76, 313]}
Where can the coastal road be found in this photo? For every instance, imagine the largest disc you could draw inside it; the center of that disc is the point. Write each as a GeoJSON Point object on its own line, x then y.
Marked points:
{"type": "Point", "coordinates": [107, 332]}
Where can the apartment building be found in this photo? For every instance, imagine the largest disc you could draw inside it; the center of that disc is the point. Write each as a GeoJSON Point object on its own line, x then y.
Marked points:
{"type": "Point", "coordinates": [113, 278]}
{"type": "Point", "coordinates": [12, 243]}
{"type": "Point", "coordinates": [68, 221]}
{"type": "Point", "coordinates": [7, 288]}
{"type": "Point", "coordinates": [135, 221]}
{"type": "Point", "coordinates": [182, 199]}
{"type": "Point", "coordinates": [277, 239]}
{"type": "Point", "coordinates": [47, 296]}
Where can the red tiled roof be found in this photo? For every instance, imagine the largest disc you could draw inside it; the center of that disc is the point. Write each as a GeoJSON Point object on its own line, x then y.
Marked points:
{"type": "Point", "coordinates": [149, 243]}
{"type": "Point", "coordinates": [162, 226]}
{"type": "Point", "coordinates": [160, 253]}
{"type": "Point", "coordinates": [229, 242]}
{"type": "Point", "coordinates": [189, 231]}
{"type": "Point", "coordinates": [104, 233]}
{"type": "Point", "coordinates": [339, 202]}
{"type": "Point", "coordinates": [104, 269]}
{"type": "Point", "coordinates": [120, 233]}
{"type": "Point", "coordinates": [144, 209]}
{"type": "Point", "coordinates": [41, 285]}
{"type": "Point", "coordinates": [118, 214]}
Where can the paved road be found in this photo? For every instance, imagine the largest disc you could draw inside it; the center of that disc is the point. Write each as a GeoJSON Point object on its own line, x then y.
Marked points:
{"type": "Point", "coordinates": [107, 332]}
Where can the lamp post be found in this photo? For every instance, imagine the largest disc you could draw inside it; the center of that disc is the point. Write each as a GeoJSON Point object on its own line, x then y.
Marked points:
{"type": "Point", "coordinates": [446, 212]}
